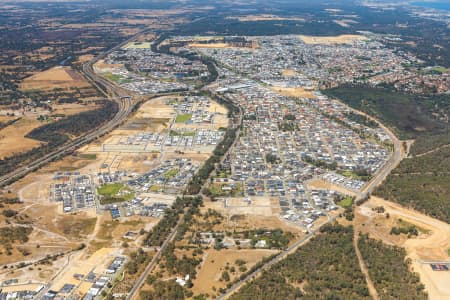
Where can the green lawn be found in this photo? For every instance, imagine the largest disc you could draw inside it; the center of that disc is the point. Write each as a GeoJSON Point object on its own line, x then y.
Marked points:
{"type": "Point", "coordinates": [113, 77]}
{"type": "Point", "coordinates": [154, 188]}
{"type": "Point", "coordinates": [114, 192]}
{"type": "Point", "coordinates": [110, 189]}
{"type": "Point", "coordinates": [171, 173]}
{"type": "Point", "coordinates": [346, 202]}
{"type": "Point", "coordinates": [182, 133]}
{"type": "Point", "coordinates": [183, 118]}
{"type": "Point", "coordinates": [117, 78]}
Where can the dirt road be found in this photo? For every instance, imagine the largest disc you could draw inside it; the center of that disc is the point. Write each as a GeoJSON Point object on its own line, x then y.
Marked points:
{"type": "Point", "coordinates": [431, 247]}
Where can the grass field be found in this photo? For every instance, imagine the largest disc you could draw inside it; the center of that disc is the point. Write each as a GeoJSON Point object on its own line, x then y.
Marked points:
{"type": "Point", "coordinates": [346, 202]}
{"type": "Point", "coordinates": [113, 193]}
{"type": "Point", "coordinates": [171, 173]}
{"type": "Point", "coordinates": [183, 118]}
{"type": "Point", "coordinates": [110, 189]}
{"type": "Point", "coordinates": [117, 78]}
{"type": "Point", "coordinates": [182, 133]}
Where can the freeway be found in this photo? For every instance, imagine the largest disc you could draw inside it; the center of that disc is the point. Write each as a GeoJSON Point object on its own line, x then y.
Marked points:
{"type": "Point", "coordinates": [125, 109]}
{"type": "Point", "coordinates": [110, 90]}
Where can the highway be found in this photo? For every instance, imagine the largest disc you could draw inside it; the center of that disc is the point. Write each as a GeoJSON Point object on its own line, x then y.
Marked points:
{"type": "Point", "coordinates": [111, 91]}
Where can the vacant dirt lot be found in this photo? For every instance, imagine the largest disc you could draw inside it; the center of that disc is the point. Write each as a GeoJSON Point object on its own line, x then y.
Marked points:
{"type": "Point", "coordinates": [432, 246]}
{"type": "Point", "coordinates": [321, 184]}
{"type": "Point", "coordinates": [214, 263]}
{"type": "Point", "coordinates": [156, 108]}
{"type": "Point", "coordinates": [339, 39]}
{"type": "Point", "coordinates": [297, 92]}
{"type": "Point", "coordinates": [13, 140]}
{"type": "Point", "coordinates": [57, 77]}
{"type": "Point", "coordinates": [260, 206]}
{"type": "Point", "coordinates": [289, 73]}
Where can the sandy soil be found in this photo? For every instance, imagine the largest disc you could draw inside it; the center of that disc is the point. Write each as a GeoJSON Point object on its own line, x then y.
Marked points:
{"type": "Point", "coordinates": [432, 246]}
{"type": "Point", "coordinates": [289, 73]}
{"type": "Point", "coordinates": [242, 221]}
{"type": "Point", "coordinates": [85, 58]}
{"type": "Point", "coordinates": [297, 92]}
{"type": "Point", "coordinates": [77, 265]}
{"type": "Point", "coordinates": [104, 66]}
{"type": "Point", "coordinates": [321, 184]}
{"type": "Point", "coordinates": [56, 77]}
{"type": "Point", "coordinates": [13, 140]}
{"type": "Point", "coordinates": [215, 261]}
{"type": "Point", "coordinates": [156, 108]}
{"type": "Point", "coordinates": [235, 206]}
{"type": "Point", "coordinates": [339, 39]}
{"type": "Point", "coordinates": [345, 22]}
{"type": "Point", "coordinates": [72, 108]}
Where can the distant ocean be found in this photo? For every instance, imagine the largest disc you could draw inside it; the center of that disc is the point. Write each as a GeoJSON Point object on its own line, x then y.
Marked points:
{"type": "Point", "coordinates": [436, 5]}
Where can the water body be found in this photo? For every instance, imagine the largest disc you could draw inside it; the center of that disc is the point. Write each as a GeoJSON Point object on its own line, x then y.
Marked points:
{"type": "Point", "coordinates": [436, 5]}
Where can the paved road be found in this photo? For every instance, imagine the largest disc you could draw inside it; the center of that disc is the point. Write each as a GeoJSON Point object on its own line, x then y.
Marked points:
{"type": "Point", "coordinates": [111, 91]}
{"type": "Point", "coordinates": [124, 110]}
{"type": "Point", "coordinates": [393, 161]}
{"type": "Point", "coordinates": [235, 287]}
{"type": "Point", "coordinates": [378, 178]}
{"type": "Point", "coordinates": [141, 280]}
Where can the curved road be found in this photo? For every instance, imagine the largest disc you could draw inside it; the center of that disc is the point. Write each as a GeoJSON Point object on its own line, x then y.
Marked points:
{"type": "Point", "coordinates": [110, 90]}
{"type": "Point", "coordinates": [378, 178]}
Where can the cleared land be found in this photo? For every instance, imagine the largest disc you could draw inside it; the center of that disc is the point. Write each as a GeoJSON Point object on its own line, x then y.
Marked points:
{"type": "Point", "coordinates": [57, 77]}
{"type": "Point", "coordinates": [212, 45]}
{"type": "Point", "coordinates": [339, 39]}
{"type": "Point", "coordinates": [321, 184]}
{"type": "Point", "coordinates": [13, 140]}
{"type": "Point", "coordinates": [297, 92]}
{"type": "Point", "coordinates": [215, 262]}
{"type": "Point", "coordinates": [432, 245]}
